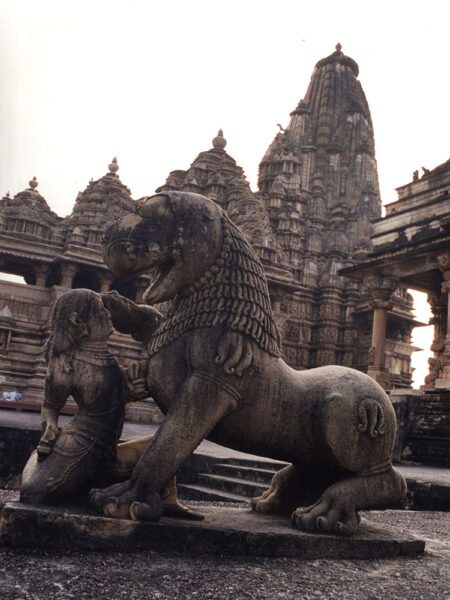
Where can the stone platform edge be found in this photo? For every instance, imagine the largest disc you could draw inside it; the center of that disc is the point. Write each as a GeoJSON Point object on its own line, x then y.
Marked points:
{"type": "Point", "coordinates": [225, 531]}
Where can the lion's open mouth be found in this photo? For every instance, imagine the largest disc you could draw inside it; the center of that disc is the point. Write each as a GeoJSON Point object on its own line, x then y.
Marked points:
{"type": "Point", "coordinates": [158, 273]}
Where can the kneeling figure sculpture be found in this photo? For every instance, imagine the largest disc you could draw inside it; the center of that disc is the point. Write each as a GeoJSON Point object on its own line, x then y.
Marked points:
{"type": "Point", "coordinates": [215, 370]}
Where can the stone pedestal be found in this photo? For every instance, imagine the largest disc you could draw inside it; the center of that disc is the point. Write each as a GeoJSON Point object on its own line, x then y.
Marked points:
{"type": "Point", "coordinates": [225, 531]}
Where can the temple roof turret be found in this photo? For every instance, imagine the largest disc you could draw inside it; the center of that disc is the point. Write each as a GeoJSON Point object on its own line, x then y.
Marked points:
{"type": "Point", "coordinates": [27, 215]}
{"type": "Point", "coordinates": [29, 198]}
{"type": "Point", "coordinates": [103, 200]}
{"type": "Point", "coordinates": [216, 174]}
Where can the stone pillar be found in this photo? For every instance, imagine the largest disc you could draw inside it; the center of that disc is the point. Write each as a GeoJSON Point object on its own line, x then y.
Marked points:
{"type": "Point", "coordinates": [380, 287]}
{"type": "Point", "coordinates": [41, 273]}
{"type": "Point", "coordinates": [68, 271]}
{"type": "Point", "coordinates": [443, 381]}
{"type": "Point", "coordinates": [105, 282]}
{"type": "Point", "coordinates": [438, 305]}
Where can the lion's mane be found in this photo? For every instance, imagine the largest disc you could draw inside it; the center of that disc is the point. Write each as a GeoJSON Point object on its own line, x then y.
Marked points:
{"type": "Point", "coordinates": [232, 292]}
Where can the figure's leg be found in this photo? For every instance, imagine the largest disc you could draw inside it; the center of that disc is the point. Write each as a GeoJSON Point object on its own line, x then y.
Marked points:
{"type": "Point", "coordinates": [336, 510]}
{"type": "Point", "coordinates": [201, 402]}
{"type": "Point", "coordinates": [285, 488]}
{"type": "Point", "coordinates": [294, 485]}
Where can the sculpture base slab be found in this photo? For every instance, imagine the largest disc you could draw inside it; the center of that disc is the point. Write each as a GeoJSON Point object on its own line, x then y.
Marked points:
{"type": "Point", "coordinates": [231, 531]}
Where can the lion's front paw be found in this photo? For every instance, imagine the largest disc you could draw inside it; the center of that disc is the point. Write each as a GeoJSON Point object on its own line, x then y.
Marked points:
{"type": "Point", "coordinates": [328, 515]}
{"type": "Point", "coordinates": [123, 501]}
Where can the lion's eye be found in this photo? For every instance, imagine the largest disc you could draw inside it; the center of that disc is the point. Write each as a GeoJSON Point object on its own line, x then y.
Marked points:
{"type": "Point", "coordinates": [129, 249]}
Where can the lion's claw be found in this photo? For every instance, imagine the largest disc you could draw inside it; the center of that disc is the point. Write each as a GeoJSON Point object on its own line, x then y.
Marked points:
{"type": "Point", "coordinates": [327, 516]}
{"type": "Point", "coordinates": [122, 501]}
{"type": "Point", "coordinates": [147, 511]}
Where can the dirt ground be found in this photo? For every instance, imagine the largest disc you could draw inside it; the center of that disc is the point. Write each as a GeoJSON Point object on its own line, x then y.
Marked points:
{"type": "Point", "coordinates": [37, 575]}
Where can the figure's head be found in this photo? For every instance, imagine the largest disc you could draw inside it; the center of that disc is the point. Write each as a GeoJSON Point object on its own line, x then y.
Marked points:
{"type": "Point", "coordinates": [174, 237]}
{"type": "Point", "coordinates": [79, 316]}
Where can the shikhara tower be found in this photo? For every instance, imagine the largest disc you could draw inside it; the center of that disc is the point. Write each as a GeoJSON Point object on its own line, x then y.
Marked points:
{"type": "Point", "coordinates": [318, 197]}
{"type": "Point", "coordinates": [321, 170]}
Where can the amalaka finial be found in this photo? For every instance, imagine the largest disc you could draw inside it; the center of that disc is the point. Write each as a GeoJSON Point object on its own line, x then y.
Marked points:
{"type": "Point", "coordinates": [219, 142]}
{"type": "Point", "coordinates": [33, 183]}
{"type": "Point", "coordinates": [113, 166]}
{"type": "Point", "coordinates": [338, 47]}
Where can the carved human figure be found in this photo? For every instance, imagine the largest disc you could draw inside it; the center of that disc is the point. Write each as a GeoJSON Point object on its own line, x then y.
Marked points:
{"type": "Point", "coordinates": [215, 370]}
{"type": "Point", "coordinates": [68, 461]}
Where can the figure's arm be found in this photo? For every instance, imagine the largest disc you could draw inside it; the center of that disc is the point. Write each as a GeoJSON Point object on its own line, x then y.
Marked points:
{"type": "Point", "coordinates": [56, 391]}
{"type": "Point", "coordinates": [139, 320]}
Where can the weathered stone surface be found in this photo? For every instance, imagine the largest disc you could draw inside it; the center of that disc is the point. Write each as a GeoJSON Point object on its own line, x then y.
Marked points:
{"type": "Point", "coordinates": [229, 531]}
{"type": "Point", "coordinates": [214, 370]}
{"type": "Point", "coordinates": [67, 461]}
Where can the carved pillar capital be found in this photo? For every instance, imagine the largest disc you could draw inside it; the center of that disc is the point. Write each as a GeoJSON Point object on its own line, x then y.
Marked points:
{"type": "Point", "coordinates": [444, 260]}
{"type": "Point", "coordinates": [445, 287]}
{"type": "Point", "coordinates": [380, 287]}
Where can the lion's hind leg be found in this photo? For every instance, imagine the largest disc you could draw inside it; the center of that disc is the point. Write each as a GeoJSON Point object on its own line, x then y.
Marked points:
{"type": "Point", "coordinates": [336, 511]}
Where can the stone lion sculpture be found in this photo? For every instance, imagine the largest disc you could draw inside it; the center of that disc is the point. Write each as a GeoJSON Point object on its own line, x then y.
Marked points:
{"type": "Point", "coordinates": [215, 370]}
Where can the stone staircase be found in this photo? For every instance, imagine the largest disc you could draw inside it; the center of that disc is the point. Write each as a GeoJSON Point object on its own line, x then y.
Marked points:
{"type": "Point", "coordinates": [230, 480]}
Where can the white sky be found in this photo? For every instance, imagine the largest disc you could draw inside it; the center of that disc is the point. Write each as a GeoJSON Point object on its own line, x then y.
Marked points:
{"type": "Point", "coordinates": [152, 82]}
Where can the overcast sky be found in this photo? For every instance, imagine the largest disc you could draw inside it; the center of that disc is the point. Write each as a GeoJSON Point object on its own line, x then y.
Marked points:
{"type": "Point", "coordinates": [151, 82]}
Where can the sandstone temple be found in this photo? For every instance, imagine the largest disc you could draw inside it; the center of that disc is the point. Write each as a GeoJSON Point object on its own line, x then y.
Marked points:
{"type": "Point", "coordinates": [311, 218]}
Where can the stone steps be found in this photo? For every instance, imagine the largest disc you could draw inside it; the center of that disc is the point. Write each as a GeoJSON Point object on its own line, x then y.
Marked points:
{"type": "Point", "coordinates": [244, 472]}
{"type": "Point", "coordinates": [235, 485]}
{"type": "Point", "coordinates": [235, 480]}
{"type": "Point", "coordinates": [193, 491]}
